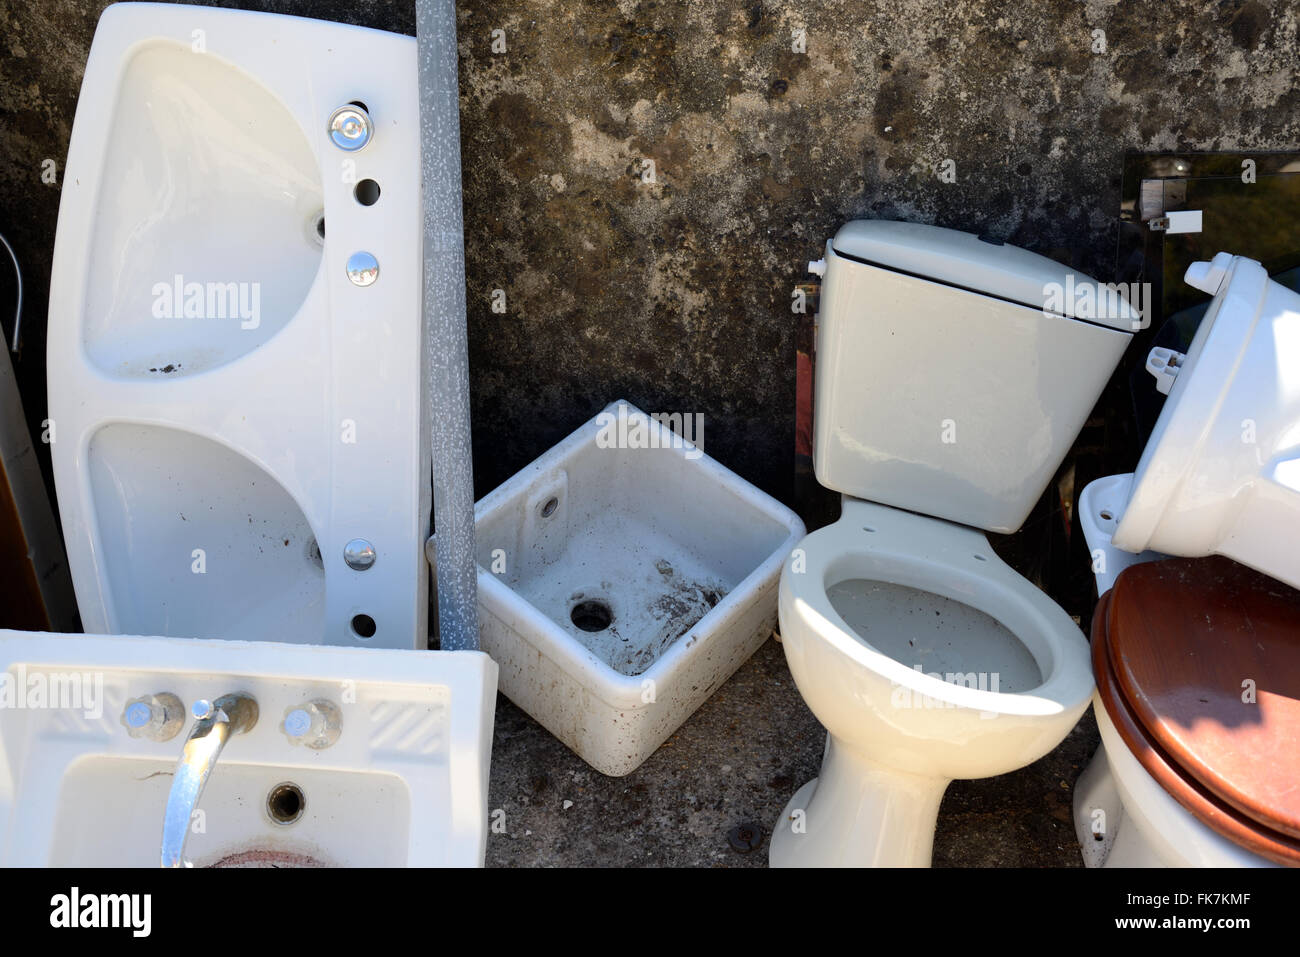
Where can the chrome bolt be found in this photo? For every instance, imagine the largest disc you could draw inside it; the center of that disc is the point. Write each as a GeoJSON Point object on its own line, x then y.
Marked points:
{"type": "Point", "coordinates": [363, 269]}
{"type": "Point", "coordinates": [359, 554]}
{"type": "Point", "coordinates": [350, 128]}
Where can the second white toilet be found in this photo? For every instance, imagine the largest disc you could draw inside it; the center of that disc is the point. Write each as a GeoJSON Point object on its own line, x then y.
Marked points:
{"type": "Point", "coordinates": [952, 376]}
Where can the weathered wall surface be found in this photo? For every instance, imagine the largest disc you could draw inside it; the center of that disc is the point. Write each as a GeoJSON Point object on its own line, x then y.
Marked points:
{"type": "Point", "coordinates": [676, 293]}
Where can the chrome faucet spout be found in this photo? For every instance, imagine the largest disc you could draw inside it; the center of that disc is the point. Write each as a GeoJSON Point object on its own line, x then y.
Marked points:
{"type": "Point", "coordinates": [216, 722]}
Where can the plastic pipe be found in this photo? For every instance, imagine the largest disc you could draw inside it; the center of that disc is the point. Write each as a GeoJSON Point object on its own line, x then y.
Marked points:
{"type": "Point", "coordinates": [445, 338]}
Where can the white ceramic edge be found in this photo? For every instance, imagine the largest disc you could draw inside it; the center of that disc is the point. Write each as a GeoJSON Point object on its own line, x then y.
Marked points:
{"type": "Point", "coordinates": [1108, 493]}
{"type": "Point", "coordinates": [1067, 685]}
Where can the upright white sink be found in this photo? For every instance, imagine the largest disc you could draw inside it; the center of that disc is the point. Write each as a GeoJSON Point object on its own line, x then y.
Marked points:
{"type": "Point", "coordinates": [231, 410]}
{"type": "Point", "coordinates": [404, 784]}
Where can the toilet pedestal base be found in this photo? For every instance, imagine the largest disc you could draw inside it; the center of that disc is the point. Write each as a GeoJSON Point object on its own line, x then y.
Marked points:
{"type": "Point", "coordinates": [858, 813]}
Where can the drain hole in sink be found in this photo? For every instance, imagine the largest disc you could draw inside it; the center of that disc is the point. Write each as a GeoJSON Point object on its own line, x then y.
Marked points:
{"type": "Point", "coordinates": [318, 228]}
{"type": "Point", "coordinates": [367, 192]}
{"type": "Point", "coordinates": [549, 506]}
{"type": "Point", "coordinates": [363, 626]}
{"type": "Point", "coordinates": [591, 615]}
{"type": "Point", "coordinates": [285, 803]}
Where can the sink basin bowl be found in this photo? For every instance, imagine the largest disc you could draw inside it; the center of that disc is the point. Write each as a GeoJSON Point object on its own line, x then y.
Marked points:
{"type": "Point", "coordinates": [405, 784]}
{"type": "Point", "coordinates": [619, 586]}
{"type": "Point", "coordinates": [231, 410]}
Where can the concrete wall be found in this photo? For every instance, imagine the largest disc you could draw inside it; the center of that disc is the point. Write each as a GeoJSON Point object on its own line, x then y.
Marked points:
{"type": "Point", "coordinates": [676, 294]}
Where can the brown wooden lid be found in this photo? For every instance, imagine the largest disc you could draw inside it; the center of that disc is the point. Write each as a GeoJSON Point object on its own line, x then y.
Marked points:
{"type": "Point", "coordinates": [1206, 655]}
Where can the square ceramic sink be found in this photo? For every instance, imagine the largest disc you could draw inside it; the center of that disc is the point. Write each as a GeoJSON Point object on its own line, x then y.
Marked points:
{"type": "Point", "coordinates": [404, 784]}
{"type": "Point", "coordinates": [624, 576]}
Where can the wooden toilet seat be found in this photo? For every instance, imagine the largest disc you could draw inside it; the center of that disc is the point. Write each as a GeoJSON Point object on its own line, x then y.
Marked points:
{"type": "Point", "coordinates": [1198, 664]}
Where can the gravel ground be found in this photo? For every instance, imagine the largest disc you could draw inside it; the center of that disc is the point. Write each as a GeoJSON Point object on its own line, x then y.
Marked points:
{"type": "Point", "coordinates": [736, 760]}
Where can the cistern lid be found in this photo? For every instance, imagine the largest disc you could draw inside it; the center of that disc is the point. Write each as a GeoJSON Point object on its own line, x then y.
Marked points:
{"type": "Point", "coordinates": [986, 266]}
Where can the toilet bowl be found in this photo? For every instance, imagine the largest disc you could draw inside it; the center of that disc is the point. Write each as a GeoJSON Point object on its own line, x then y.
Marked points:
{"type": "Point", "coordinates": [235, 397]}
{"type": "Point", "coordinates": [926, 658]}
{"type": "Point", "coordinates": [949, 387]}
{"type": "Point", "coordinates": [1198, 704]}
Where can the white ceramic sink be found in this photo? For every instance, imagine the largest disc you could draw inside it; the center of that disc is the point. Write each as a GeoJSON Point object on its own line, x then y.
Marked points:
{"type": "Point", "coordinates": [229, 410]}
{"type": "Point", "coordinates": [405, 784]}
{"type": "Point", "coordinates": [620, 585]}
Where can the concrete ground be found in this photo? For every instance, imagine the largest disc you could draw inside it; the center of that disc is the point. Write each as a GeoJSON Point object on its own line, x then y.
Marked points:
{"type": "Point", "coordinates": [738, 759]}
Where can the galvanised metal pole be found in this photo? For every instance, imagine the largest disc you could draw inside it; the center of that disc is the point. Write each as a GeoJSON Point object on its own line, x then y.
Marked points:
{"type": "Point", "coordinates": [445, 337]}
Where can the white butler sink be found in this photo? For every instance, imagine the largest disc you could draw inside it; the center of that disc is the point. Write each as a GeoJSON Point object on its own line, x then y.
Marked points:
{"type": "Point", "coordinates": [623, 577]}
{"type": "Point", "coordinates": [404, 783]}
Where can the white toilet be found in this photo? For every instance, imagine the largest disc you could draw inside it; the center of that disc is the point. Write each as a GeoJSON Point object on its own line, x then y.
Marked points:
{"type": "Point", "coordinates": [1189, 778]}
{"type": "Point", "coordinates": [945, 388]}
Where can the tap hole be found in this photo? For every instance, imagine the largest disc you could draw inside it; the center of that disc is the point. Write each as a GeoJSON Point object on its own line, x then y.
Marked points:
{"type": "Point", "coordinates": [367, 192]}
{"type": "Point", "coordinates": [285, 803]}
{"type": "Point", "coordinates": [591, 615]}
{"type": "Point", "coordinates": [549, 506]}
{"type": "Point", "coordinates": [363, 626]}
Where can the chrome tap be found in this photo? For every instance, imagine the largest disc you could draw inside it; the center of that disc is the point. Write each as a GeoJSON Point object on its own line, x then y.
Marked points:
{"type": "Point", "coordinates": [216, 721]}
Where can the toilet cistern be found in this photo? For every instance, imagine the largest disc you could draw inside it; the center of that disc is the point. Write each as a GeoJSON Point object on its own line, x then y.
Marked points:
{"type": "Point", "coordinates": [216, 722]}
